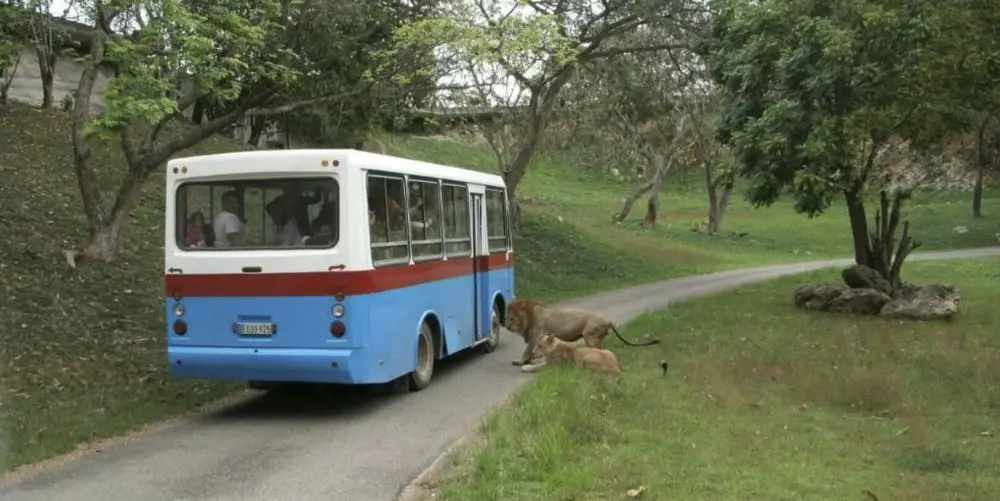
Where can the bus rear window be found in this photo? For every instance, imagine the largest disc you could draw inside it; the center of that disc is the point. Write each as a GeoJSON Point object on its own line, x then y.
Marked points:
{"type": "Point", "coordinates": [258, 214]}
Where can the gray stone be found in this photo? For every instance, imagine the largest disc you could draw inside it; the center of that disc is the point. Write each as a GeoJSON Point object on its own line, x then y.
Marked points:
{"type": "Point", "coordinates": [836, 298]}
{"type": "Point", "coordinates": [816, 296]}
{"type": "Point", "coordinates": [924, 302]}
{"type": "Point", "coordinates": [858, 302]}
{"type": "Point", "coordinates": [862, 277]}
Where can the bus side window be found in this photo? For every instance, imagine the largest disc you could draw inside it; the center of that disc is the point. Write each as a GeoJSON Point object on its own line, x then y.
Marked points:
{"type": "Point", "coordinates": [387, 220]}
{"type": "Point", "coordinates": [425, 221]}
{"type": "Point", "coordinates": [496, 228]}
{"type": "Point", "coordinates": [457, 240]}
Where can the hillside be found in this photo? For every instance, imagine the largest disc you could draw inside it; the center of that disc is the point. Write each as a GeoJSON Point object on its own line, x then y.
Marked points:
{"type": "Point", "coordinates": [83, 350]}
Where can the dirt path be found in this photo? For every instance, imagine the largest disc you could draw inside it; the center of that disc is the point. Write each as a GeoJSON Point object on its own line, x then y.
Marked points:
{"type": "Point", "coordinates": [349, 446]}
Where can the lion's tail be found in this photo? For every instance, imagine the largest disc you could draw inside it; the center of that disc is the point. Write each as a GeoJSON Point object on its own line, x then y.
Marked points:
{"type": "Point", "coordinates": [630, 343]}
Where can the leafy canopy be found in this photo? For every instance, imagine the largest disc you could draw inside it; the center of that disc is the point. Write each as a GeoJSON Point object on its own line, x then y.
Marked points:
{"type": "Point", "coordinates": [215, 49]}
{"type": "Point", "coordinates": [817, 87]}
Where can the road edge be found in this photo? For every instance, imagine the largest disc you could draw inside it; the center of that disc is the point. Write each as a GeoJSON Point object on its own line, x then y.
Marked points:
{"type": "Point", "coordinates": [417, 490]}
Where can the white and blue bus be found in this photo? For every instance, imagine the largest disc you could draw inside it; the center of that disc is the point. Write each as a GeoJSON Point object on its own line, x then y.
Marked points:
{"type": "Point", "coordinates": [331, 266]}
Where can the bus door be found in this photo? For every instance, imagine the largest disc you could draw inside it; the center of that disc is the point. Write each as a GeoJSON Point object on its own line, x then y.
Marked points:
{"type": "Point", "coordinates": [477, 263]}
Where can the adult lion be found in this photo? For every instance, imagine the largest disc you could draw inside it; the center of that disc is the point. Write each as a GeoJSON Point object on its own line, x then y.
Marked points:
{"type": "Point", "coordinates": [557, 351]}
{"type": "Point", "coordinates": [530, 319]}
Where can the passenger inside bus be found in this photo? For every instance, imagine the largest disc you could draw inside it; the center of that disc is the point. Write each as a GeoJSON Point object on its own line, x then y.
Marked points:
{"type": "Point", "coordinates": [286, 230]}
{"type": "Point", "coordinates": [323, 227]}
{"type": "Point", "coordinates": [228, 228]}
{"type": "Point", "coordinates": [195, 230]}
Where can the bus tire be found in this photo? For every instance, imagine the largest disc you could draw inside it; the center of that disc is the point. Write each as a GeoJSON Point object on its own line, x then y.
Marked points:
{"type": "Point", "coordinates": [421, 376]}
{"type": "Point", "coordinates": [494, 337]}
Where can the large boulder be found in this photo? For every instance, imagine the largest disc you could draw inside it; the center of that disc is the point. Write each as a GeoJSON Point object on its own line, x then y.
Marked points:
{"type": "Point", "coordinates": [835, 298]}
{"type": "Point", "coordinates": [859, 276]}
{"type": "Point", "coordinates": [817, 296]}
{"type": "Point", "coordinates": [924, 302]}
{"type": "Point", "coordinates": [858, 302]}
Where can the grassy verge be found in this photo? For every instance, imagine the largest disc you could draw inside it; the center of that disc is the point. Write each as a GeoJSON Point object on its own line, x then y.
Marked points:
{"type": "Point", "coordinates": [765, 401]}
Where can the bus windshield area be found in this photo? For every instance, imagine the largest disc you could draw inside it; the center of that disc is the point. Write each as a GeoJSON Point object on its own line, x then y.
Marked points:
{"type": "Point", "coordinates": [258, 214]}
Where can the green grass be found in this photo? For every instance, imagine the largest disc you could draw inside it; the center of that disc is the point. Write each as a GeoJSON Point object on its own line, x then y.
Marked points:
{"type": "Point", "coordinates": [83, 350]}
{"type": "Point", "coordinates": [587, 200]}
{"type": "Point", "coordinates": [764, 401]}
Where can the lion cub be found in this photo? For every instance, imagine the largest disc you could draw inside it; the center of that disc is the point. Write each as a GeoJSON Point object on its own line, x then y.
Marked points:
{"type": "Point", "coordinates": [557, 351]}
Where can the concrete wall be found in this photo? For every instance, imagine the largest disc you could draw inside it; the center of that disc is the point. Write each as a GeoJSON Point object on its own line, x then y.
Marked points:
{"type": "Point", "coordinates": [26, 87]}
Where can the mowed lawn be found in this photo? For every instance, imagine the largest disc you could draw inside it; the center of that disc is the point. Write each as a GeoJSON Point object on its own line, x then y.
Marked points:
{"type": "Point", "coordinates": [764, 401]}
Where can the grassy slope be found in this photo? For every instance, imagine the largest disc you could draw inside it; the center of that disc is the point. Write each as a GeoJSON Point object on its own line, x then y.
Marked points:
{"type": "Point", "coordinates": [83, 353]}
{"type": "Point", "coordinates": [789, 405]}
{"type": "Point", "coordinates": [775, 234]}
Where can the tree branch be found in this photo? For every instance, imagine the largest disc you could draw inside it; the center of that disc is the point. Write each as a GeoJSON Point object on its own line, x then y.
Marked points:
{"type": "Point", "coordinates": [159, 156]}
{"type": "Point", "coordinates": [619, 51]}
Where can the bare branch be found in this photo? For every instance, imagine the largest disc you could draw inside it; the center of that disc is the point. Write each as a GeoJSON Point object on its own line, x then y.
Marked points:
{"type": "Point", "coordinates": [618, 51]}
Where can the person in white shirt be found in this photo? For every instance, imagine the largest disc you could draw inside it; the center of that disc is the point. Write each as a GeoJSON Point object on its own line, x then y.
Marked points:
{"type": "Point", "coordinates": [229, 230]}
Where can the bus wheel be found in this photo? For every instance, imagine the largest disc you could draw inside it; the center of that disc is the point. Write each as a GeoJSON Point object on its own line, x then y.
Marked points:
{"type": "Point", "coordinates": [421, 375]}
{"type": "Point", "coordinates": [494, 337]}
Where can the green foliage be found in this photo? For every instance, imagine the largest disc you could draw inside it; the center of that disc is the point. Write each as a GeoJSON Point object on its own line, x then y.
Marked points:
{"type": "Point", "coordinates": [517, 43]}
{"type": "Point", "coordinates": [340, 45]}
{"type": "Point", "coordinates": [8, 44]}
{"type": "Point", "coordinates": [817, 88]}
{"type": "Point", "coordinates": [218, 50]}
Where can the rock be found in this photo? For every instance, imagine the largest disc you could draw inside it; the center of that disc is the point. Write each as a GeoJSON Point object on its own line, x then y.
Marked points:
{"type": "Point", "coordinates": [816, 296]}
{"type": "Point", "coordinates": [858, 302]}
{"type": "Point", "coordinates": [924, 302]}
{"type": "Point", "coordinates": [836, 298]}
{"type": "Point", "coordinates": [862, 277]}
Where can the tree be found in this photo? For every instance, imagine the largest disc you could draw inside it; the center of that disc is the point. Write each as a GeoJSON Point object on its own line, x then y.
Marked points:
{"type": "Point", "coordinates": [236, 55]}
{"type": "Point", "coordinates": [816, 90]}
{"type": "Point", "coordinates": [636, 100]}
{"type": "Point", "coordinates": [10, 49]}
{"type": "Point", "coordinates": [703, 106]}
{"type": "Point", "coordinates": [43, 27]}
{"type": "Point", "coordinates": [540, 45]}
{"type": "Point", "coordinates": [970, 59]}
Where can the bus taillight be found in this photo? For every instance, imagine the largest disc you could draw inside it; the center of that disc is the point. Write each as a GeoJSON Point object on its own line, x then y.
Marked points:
{"type": "Point", "coordinates": [337, 328]}
{"type": "Point", "coordinates": [180, 327]}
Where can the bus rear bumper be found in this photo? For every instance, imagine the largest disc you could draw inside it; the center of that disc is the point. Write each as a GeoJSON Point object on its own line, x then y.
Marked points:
{"type": "Point", "coordinates": [267, 364]}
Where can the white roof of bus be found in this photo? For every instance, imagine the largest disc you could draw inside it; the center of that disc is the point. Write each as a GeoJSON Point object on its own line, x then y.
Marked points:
{"type": "Point", "coordinates": [351, 158]}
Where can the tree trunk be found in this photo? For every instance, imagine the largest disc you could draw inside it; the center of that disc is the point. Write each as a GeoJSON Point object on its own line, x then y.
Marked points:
{"type": "Point", "coordinates": [86, 176]}
{"type": "Point", "coordinates": [541, 105]}
{"type": "Point", "coordinates": [198, 113]}
{"type": "Point", "coordinates": [716, 205]}
{"type": "Point", "coordinates": [720, 212]}
{"type": "Point", "coordinates": [713, 199]}
{"type": "Point", "coordinates": [256, 129]}
{"type": "Point", "coordinates": [106, 231]}
{"type": "Point", "coordinates": [630, 201]}
{"type": "Point", "coordinates": [981, 161]}
{"type": "Point", "coordinates": [859, 226]}
{"type": "Point", "coordinates": [8, 78]}
{"type": "Point", "coordinates": [887, 256]}
{"type": "Point", "coordinates": [653, 204]}
{"type": "Point", "coordinates": [46, 67]}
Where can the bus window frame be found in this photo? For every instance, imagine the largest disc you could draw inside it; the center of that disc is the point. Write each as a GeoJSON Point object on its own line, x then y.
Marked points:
{"type": "Point", "coordinates": [468, 222]}
{"type": "Point", "coordinates": [503, 218]}
{"type": "Point", "coordinates": [239, 186]}
{"type": "Point", "coordinates": [440, 207]}
{"type": "Point", "coordinates": [382, 263]}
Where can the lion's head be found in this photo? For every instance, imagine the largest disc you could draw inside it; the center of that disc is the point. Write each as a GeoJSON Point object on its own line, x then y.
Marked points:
{"type": "Point", "coordinates": [521, 316]}
{"type": "Point", "coordinates": [545, 345]}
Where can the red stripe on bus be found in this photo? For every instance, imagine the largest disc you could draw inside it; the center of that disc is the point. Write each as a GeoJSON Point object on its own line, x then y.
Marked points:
{"type": "Point", "coordinates": [326, 283]}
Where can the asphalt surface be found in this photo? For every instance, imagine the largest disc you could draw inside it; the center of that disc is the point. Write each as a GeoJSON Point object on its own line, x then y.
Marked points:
{"type": "Point", "coordinates": [342, 445]}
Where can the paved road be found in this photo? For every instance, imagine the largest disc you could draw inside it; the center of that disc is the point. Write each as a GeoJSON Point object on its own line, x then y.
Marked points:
{"type": "Point", "coordinates": [349, 446]}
